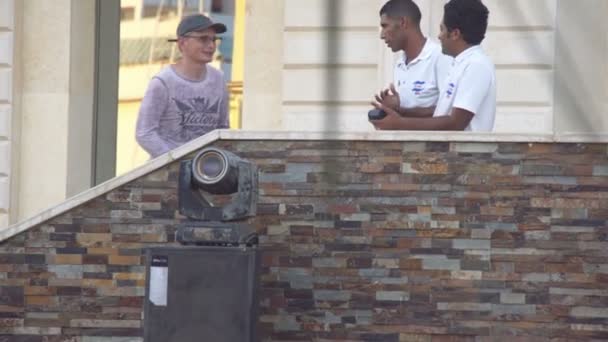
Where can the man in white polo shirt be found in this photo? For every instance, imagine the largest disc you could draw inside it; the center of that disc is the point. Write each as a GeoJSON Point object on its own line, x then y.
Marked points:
{"type": "Point", "coordinates": [421, 68]}
{"type": "Point", "coordinates": [468, 97]}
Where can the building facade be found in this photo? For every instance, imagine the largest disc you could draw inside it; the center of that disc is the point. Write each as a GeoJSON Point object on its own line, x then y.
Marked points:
{"type": "Point", "coordinates": [308, 65]}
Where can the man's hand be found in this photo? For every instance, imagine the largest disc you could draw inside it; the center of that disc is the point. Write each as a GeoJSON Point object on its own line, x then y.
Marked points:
{"type": "Point", "coordinates": [392, 119]}
{"type": "Point", "coordinates": [389, 97]}
{"type": "Point", "coordinates": [458, 120]}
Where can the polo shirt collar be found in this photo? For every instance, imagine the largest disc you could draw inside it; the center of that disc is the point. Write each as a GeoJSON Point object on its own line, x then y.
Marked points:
{"type": "Point", "coordinates": [427, 51]}
{"type": "Point", "coordinates": [466, 53]}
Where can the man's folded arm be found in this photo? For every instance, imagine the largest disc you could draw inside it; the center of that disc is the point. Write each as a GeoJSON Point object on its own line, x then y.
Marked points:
{"type": "Point", "coordinates": [419, 112]}
{"type": "Point", "coordinates": [458, 120]}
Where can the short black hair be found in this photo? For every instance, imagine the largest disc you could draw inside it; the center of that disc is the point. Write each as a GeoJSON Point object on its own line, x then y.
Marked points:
{"type": "Point", "coordinates": [468, 16]}
{"type": "Point", "coordinates": [402, 8]}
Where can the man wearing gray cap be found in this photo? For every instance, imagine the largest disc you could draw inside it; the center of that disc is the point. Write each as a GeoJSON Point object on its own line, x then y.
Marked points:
{"type": "Point", "coordinates": [188, 99]}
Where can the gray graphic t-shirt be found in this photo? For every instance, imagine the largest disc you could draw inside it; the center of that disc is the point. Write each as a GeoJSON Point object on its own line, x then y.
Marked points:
{"type": "Point", "coordinates": [175, 110]}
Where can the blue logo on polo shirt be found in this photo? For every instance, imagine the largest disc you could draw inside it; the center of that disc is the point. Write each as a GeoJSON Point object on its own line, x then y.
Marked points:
{"type": "Point", "coordinates": [450, 90]}
{"type": "Point", "coordinates": [418, 87]}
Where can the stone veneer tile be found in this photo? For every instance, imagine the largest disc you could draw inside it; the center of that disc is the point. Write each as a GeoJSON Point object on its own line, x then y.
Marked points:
{"type": "Point", "coordinates": [600, 170]}
{"type": "Point", "coordinates": [589, 312]}
{"type": "Point", "coordinates": [473, 147]}
{"type": "Point", "coordinates": [512, 298]}
{"type": "Point", "coordinates": [469, 247]}
{"type": "Point", "coordinates": [393, 296]}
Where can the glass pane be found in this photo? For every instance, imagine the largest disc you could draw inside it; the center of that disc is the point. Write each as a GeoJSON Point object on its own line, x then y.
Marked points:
{"type": "Point", "coordinates": [144, 50]}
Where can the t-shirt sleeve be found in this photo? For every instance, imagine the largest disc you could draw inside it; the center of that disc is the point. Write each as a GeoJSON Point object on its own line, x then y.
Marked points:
{"type": "Point", "coordinates": [224, 108]}
{"type": "Point", "coordinates": [153, 105]}
{"type": "Point", "coordinates": [473, 88]}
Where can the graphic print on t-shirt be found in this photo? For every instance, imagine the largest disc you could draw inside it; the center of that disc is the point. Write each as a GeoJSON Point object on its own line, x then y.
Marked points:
{"type": "Point", "coordinates": [450, 91]}
{"type": "Point", "coordinates": [197, 117]}
{"type": "Point", "coordinates": [418, 87]}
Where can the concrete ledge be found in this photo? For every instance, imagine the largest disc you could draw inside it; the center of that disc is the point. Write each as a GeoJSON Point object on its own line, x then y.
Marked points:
{"type": "Point", "coordinates": [414, 136]}
{"type": "Point", "coordinates": [203, 141]}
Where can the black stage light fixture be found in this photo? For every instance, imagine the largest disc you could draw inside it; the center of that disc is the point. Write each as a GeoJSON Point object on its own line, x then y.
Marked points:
{"type": "Point", "coordinates": [208, 285]}
{"type": "Point", "coordinates": [214, 171]}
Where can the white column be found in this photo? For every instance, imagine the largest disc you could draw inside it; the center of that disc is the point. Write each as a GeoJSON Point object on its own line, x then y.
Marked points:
{"type": "Point", "coordinates": [82, 90]}
{"type": "Point", "coordinates": [56, 64]}
{"type": "Point", "coordinates": [7, 12]}
{"type": "Point", "coordinates": [262, 81]}
{"type": "Point", "coordinates": [581, 80]}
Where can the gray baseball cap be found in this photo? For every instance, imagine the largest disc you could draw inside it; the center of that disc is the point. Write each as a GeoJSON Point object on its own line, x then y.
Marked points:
{"type": "Point", "coordinates": [197, 22]}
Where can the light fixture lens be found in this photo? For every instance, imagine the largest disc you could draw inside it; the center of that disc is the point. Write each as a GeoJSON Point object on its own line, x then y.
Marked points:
{"type": "Point", "coordinates": [211, 166]}
{"type": "Point", "coordinates": [216, 171]}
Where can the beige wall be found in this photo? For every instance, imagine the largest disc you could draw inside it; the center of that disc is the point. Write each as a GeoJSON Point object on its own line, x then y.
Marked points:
{"type": "Point", "coordinates": [331, 64]}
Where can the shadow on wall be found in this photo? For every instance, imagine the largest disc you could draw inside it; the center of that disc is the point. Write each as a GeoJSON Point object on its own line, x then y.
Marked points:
{"type": "Point", "coordinates": [332, 82]}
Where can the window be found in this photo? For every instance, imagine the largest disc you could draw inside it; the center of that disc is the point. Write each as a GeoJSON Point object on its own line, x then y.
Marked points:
{"type": "Point", "coordinates": [127, 13]}
{"type": "Point", "coordinates": [144, 51]}
{"type": "Point", "coordinates": [169, 8]}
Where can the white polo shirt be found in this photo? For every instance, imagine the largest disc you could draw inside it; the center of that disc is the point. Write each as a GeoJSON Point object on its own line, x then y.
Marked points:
{"type": "Point", "coordinates": [419, 81]}
{"type": "Point", "coordinates": [471, 85]}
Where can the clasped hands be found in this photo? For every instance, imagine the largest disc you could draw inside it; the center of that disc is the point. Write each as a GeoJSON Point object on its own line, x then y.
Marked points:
{"type": "Point", "coordinates": [388, 101]}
